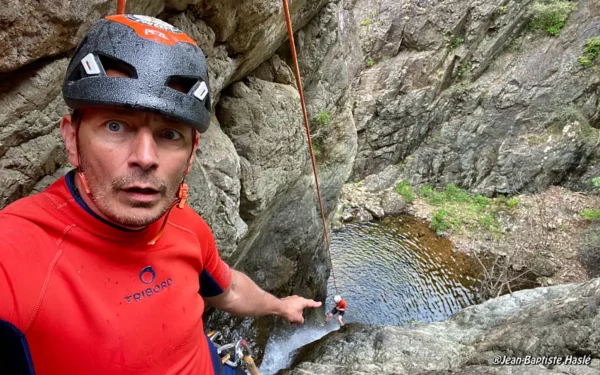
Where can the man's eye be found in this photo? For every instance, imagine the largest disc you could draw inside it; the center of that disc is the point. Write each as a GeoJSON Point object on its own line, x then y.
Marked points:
{"type": "Point", "coordinates": [114, 126]}
{"type": "Point", "coordinates": [171, 135]}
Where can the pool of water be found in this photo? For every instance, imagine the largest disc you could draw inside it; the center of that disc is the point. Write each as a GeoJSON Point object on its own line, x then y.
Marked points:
{"type": "Point", "coordinates": [397, 272]}
{"type": "Point", "coordinates": [393, 272]}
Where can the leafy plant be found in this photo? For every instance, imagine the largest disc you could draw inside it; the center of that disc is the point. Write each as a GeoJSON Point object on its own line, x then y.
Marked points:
{"type": "Point", "coordinates": [512, 202]}
{"type": "Point", "coordinates": [438, 221]}
{"type": "Point", "coordinates": [591, 214]}
{"type": "Point", "coordinates": [590, 52]}
{"type": "Point", "coordinates": [503, 9]}
{"type": "Point", "coordinates": [459, 208]}
{"type": "Point", "coordinates": [456, 42]}
{"type": "Point", "coordinates": [366, 22]}
{"type": "Point", "coordinates": [317, 145]}
{"type": "Point", "coordinates": [370, 62]}
{"type": "Point", "coordinates": [487, 222]}
{"type": "Point", "coordinates": [481, 201]}
{"type": "Point", "coordinates": [596, 181]}
{"type": "Point", "coordinates": [324, 118]}
{"type": "Point", "coordinates": [405, 189]}
{"type": "Point", "coordinates": [551, 15]}
{"type": "Point", "coordinates": [463, 69]}
{"type": "Point", "coordinates": [456, 194]}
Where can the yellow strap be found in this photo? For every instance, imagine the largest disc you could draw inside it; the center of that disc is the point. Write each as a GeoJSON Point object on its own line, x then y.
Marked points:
{"type": "Point", "coordinates": [251, 366]}
{"type": "Point", "coordinates": [225, 359]}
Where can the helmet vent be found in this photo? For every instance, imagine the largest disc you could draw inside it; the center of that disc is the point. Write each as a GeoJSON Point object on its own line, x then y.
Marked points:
{"type": "Point", "coordinates": [118, 68]}
{"type": "Point", "coordinates": [181, 83]}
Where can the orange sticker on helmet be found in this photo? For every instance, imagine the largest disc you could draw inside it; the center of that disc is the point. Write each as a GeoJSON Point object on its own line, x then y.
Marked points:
{"type": "Point", "coordinates": [153, 29]}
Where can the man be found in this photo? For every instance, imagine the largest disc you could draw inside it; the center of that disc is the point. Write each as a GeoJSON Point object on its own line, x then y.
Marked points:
{"type": "Point", "coordinates": [339, 308]}
{"type": "Point", "coordinates": [100, 273]}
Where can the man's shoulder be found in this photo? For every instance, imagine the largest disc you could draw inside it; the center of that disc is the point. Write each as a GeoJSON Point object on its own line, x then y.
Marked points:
{"type": "Point", "coordinates": [33, 205]}
{"type": "Point", "coordinates": [23, 243]}
{"type": "Point", "coordinates": [16, 214]}
{"type": "Point", "coordinates": [188, 219]}
{"type": "Point", "coordinates": [26, 221]}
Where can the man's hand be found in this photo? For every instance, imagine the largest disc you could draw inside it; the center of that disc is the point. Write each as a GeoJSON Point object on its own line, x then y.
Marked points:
{"type": "Point", "coordinates": [292, 308]}
{"type": "Point", "coordinates": [245, 298]}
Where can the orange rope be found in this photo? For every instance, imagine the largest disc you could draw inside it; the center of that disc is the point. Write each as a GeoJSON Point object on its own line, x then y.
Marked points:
{"type": "Point", "coordinates": [286, 10]}
{"type": "Point", "coordinates": [121, 6]}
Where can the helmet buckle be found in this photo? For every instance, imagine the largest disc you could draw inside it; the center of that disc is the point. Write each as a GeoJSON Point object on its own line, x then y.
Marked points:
{"type": "Point", "coordinates": [182, 194]}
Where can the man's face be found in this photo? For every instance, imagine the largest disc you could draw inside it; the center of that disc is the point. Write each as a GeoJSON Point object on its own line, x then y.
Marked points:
{"type": "Point", "coordinates": [133, 162]}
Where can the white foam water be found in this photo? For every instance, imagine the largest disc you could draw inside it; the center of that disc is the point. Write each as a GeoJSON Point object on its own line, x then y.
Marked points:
{"type": "Point", "coordinates": [278, 353]}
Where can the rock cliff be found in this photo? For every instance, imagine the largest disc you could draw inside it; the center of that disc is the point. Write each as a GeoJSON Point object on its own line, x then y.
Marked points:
{"type": "Point", "coordinates": [556, 321]}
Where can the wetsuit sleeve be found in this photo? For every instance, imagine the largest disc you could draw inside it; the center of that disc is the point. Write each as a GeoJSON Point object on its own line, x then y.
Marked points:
{"type": "Point", "coordinates": [216, 274]}
{"type": "Point", "coordinates": [20, 284]}
{"type": "Point", "coordinates": [26, 256]}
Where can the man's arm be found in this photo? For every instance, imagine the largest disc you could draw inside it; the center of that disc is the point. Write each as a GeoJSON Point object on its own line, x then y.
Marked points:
{"type": "Point", "coordinates": [244, 298]}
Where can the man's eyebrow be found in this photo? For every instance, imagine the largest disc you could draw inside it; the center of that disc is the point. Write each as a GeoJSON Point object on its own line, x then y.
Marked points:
{"type": "Point", "coordinates": [133, 113]}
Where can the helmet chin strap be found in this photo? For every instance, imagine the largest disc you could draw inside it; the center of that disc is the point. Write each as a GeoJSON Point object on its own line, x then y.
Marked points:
{"type": "Point", "coordinates": [182, 194]}
{"type": "Point", "coordinates": [79, 116]}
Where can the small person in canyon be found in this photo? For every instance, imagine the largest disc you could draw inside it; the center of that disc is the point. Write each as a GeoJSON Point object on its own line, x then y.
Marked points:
{"type": "Point", "coordinates": [107, 270]}
{"type": "Point", "coordinates": [339, 308]}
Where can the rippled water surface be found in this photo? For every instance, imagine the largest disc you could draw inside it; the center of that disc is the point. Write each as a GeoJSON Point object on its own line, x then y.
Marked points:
{"type": "Point", "coordinates": [394, 272]}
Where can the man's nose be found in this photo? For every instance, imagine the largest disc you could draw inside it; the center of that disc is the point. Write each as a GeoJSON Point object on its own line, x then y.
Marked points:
{"type": "Point", "coordinates": [143, 150]}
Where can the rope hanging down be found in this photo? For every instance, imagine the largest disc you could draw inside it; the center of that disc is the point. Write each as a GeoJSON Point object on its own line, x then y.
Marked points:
{"type": "Point", "coordinates": [121, 6]}
{"type": "Point", "coordinates": [288, 20]}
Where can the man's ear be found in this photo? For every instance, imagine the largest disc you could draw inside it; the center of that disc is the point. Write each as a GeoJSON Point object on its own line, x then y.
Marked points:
{"type": "Point", "coordinates": [196, 144]}
{"type": "Point", "coordinates": [69, 135]}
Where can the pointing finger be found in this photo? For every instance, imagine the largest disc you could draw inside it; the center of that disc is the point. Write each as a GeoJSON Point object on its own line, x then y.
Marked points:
{"type": "Point", "coordinates": [312, 303]}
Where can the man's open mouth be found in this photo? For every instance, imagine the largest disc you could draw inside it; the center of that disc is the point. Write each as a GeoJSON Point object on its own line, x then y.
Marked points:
{"type": "Point", "coordinates": [141, 190]}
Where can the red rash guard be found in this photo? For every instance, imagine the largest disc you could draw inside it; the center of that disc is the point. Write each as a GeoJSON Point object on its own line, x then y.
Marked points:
{"type": "Point", "coordinates": [341, 305]}
{"type": "Point", "coordinates": [91, 298]}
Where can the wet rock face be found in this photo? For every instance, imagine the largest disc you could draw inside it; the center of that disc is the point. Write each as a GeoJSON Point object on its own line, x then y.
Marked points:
{"type": "Point", "coordinates": [30, 143]}
{"type": "Point", "coordinates": [553, 321]}
{"type": "Point", "coordinates": [261, 125]}
{"type": "Point", "coordinates": [464, 92]}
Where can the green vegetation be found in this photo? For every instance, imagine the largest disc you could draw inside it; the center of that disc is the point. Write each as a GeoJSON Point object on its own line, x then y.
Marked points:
{"type": "Point", "coordinates": [537, 139]}
{"type": "Point", "coordinates": [591, 51]}
{"type": "Point", "coordinates": [370, 62]}
{"type": "Point", "coordinates": [596, 181]}
{"type": "Point", "coordinates": [503, 9]}
{"type": "Point", "coordinates": [463, 69]}
{"type": "Point", "coordinates": [317, 146]}
{"type": "Point", "coordinates": [551, 15]}
{"type": "Point", "coordinates": [512, 202]}
{"type": "Point", "coordinates": [366, 22]}
{"type": "Point", "coordinates": [324, 118]}
{"type": "Point", "coordinates": [456, 42]}
{"type": "Point", "coordinates": [405, 189]}
{"type": "Point", "coordinates": [457, 208]}
{"type": "Point", "coordinates": [439, 222]}
{"type": "Point", "coordinates": [591, 214]}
